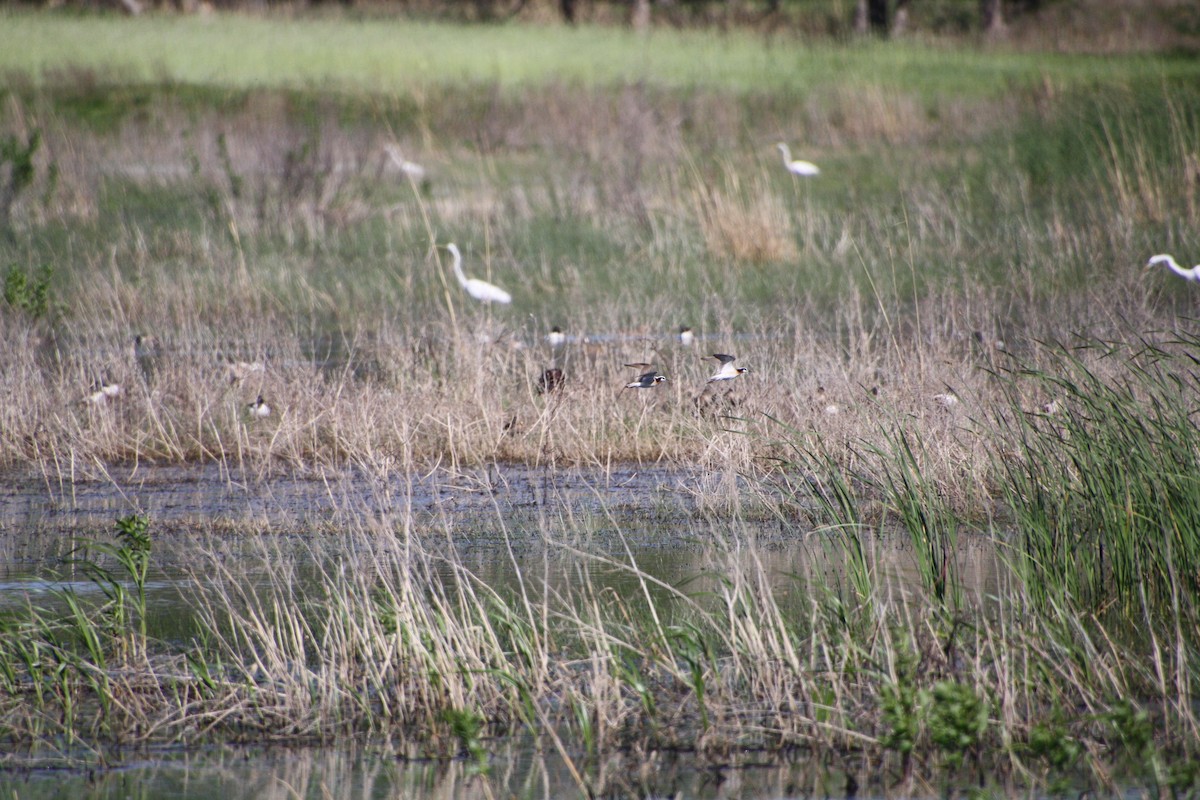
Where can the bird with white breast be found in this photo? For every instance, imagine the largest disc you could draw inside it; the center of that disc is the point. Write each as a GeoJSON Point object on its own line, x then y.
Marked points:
{"type": "Point", "coordinates": [479, 289]}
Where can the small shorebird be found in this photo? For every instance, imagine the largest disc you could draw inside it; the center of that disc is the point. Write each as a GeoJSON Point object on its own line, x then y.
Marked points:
{"type": "Point", "coordinates": [1190, 274]}
{"type": "Point", "coordinates": [550, 380]}
{"type": "Point", "coordinates": [479, 289]}
{"type": "Point", "coordinates": [101, 392]}
{"type": "Point", "coordinates": [803, 169]}
{"type": "Point", "coordinates": [728, 371]}
{"type": "Point", "coordinates": [556, 337]}
{"type": "Point", "coordinates": [648, 379]}
{"type": "Point", "coordinates": [259, 408]}
{"type": "Point", "coordinates": [145, 346]}
{"type": "Point", "coordinates": [146, 353]}
{"type": "Point", "coordinates": [946, 400]}
{"type": "Point", "coordinates": [686, 337]}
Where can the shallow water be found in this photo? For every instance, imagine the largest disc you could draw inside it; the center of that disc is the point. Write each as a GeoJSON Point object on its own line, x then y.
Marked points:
{"type": "Point", "coordinates": [510, 526]}
{"type": "Point", "coordinates": [516, 769]}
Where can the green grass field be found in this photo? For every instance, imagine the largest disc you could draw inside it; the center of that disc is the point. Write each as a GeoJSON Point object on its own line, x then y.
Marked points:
{"type": "Point", "coordinates": [241, 52]}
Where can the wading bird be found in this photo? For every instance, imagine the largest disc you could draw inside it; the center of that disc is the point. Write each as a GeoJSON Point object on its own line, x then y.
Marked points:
{"type": "Point", "coordinates": [728, 371]}
{"type": "Point", "coordinates": [686, 337]}
{"type": "Point", "coordinates": [946, 400]}
{"type": "Point", "coordinates": [146, 353]}
{"type": "Point", "coordinates": [556, 337]}
{"type": "Point", "coordinates": [259, 408]}
{"type": "Point", "coordinates": [409, 168]}
{"type": "Point", "coordinates": [1192, 274]}
{"type": "Point", "coordinates": [480, 290]}
{"type": "Point", "coordinates": [102, 391]}
{"type": "Point", "coordinates": [550, 380]}
{"type": "Point", "coordinates": [805, 169]}
{"type": "Point", "coordinates": [648, 379]}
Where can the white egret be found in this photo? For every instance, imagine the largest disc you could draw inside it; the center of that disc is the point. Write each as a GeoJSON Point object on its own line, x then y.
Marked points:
{"type": "Point", "coordinates": [804, 169]}
{"type": "Point", "coordinates": [1192, 274]}
{"type": "Point", "coordinates": [480, 290]}
{"type": "Point", "coordinates": [686, 337]}
{"type": "Point", "coordinates": [259, 408]}
{"type": "Point", "coordinates": [648, 379]}
{"type": "Point", "coordinates": [728, 371]}
{"type": "Point", "coordinates": [409, 168]}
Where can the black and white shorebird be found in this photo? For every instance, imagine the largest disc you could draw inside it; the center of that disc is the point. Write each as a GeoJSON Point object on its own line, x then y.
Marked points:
{"type": "Point", "coordinates": [259, 408]}
{"type": "Point", "coordinates": [556, 338]}
{"type": "Point", "coordinates": [648, 379]}
{"type": "Point", "coordinates": [728, 371]}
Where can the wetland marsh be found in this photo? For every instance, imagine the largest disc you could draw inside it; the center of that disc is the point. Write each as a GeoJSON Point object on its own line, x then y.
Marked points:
{"type": "Point", "coordinates": [943, 537]}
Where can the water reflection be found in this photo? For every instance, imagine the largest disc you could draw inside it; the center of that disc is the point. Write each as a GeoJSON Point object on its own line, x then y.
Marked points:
{"type": "Point", "coordinates": [518, 768]}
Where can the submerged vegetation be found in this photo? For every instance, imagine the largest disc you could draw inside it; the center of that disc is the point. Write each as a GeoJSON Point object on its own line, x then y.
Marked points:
{"type": "Point", "coordinates": [951, 335]}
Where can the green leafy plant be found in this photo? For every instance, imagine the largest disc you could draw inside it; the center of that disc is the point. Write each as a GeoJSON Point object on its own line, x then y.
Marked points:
{"type": "Point", "coordinates": [958, 719]}
{"type": "Point", "coordinates": [16, 158]}
{"type": "Point", "coordinates": [26, 292]}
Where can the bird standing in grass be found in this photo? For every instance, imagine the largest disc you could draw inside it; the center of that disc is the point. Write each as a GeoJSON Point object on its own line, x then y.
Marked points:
{"type": "Point", "coordinates": [102, 391]}
{"type": "Point", "coordinates": [648, 379]}
{"type": "Point", "coordinates": [556, 337]}
{"type": "Point", "coordinates": [1192, 274]}
{"type": "Point", "coordinates": [480, 290]}
{"type": "Point", "coordinates": [728, 371]}
{"type": "Point", "coordinates": [259, 408]}
{"type": "Point", "coordinates": [803, 169]}
{"type": "Point", "coordinates": [686, 337]}
{"type": "Point", "coordinates": [550, 380]}
{"type": "Point", "coordinates": [410, 169]}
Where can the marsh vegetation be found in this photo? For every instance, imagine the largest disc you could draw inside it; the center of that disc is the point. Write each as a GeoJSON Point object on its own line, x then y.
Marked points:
{"type": "Point", "coordinates": [953, 339]}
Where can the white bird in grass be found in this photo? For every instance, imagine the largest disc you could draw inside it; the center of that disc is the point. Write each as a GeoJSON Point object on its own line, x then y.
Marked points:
{"type": "Point", "coordinates": [804, 169]}
{"type": "Point", "coordinates": [103, 391]}
{"type": "Point", "coordinates": [686, 337]}
{"type": "Point", "coordinates": [259, 408]}
{"type": "Point", "coordinates": [647, 380]}
{"type": "Point", "coordinates": [946, 400]}
{"type": "Point", "coordinates": [728, 371]}
{"type": "Point", "coordinates": [556, 337]}
{"type": "Point", "coordinates": [409, 168]}
{"type": "Point", "coordinates": [1192, 274]}
{"type": "Point", "coordinates": [480, 290]}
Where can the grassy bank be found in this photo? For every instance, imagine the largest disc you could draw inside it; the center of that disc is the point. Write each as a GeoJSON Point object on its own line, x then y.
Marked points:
{"type": "Point", "coordinates": [950, 332]}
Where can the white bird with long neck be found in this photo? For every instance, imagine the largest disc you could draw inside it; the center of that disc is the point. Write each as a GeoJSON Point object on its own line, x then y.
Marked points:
{"type": "Point", "coordinates": [480, 290]}
{"type": "Point", "coordinates": [1192, 274]}
{"type": "Point", "coordinates": [408, 168]}
{"type": "Point", "coordinates": [804, 169]}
